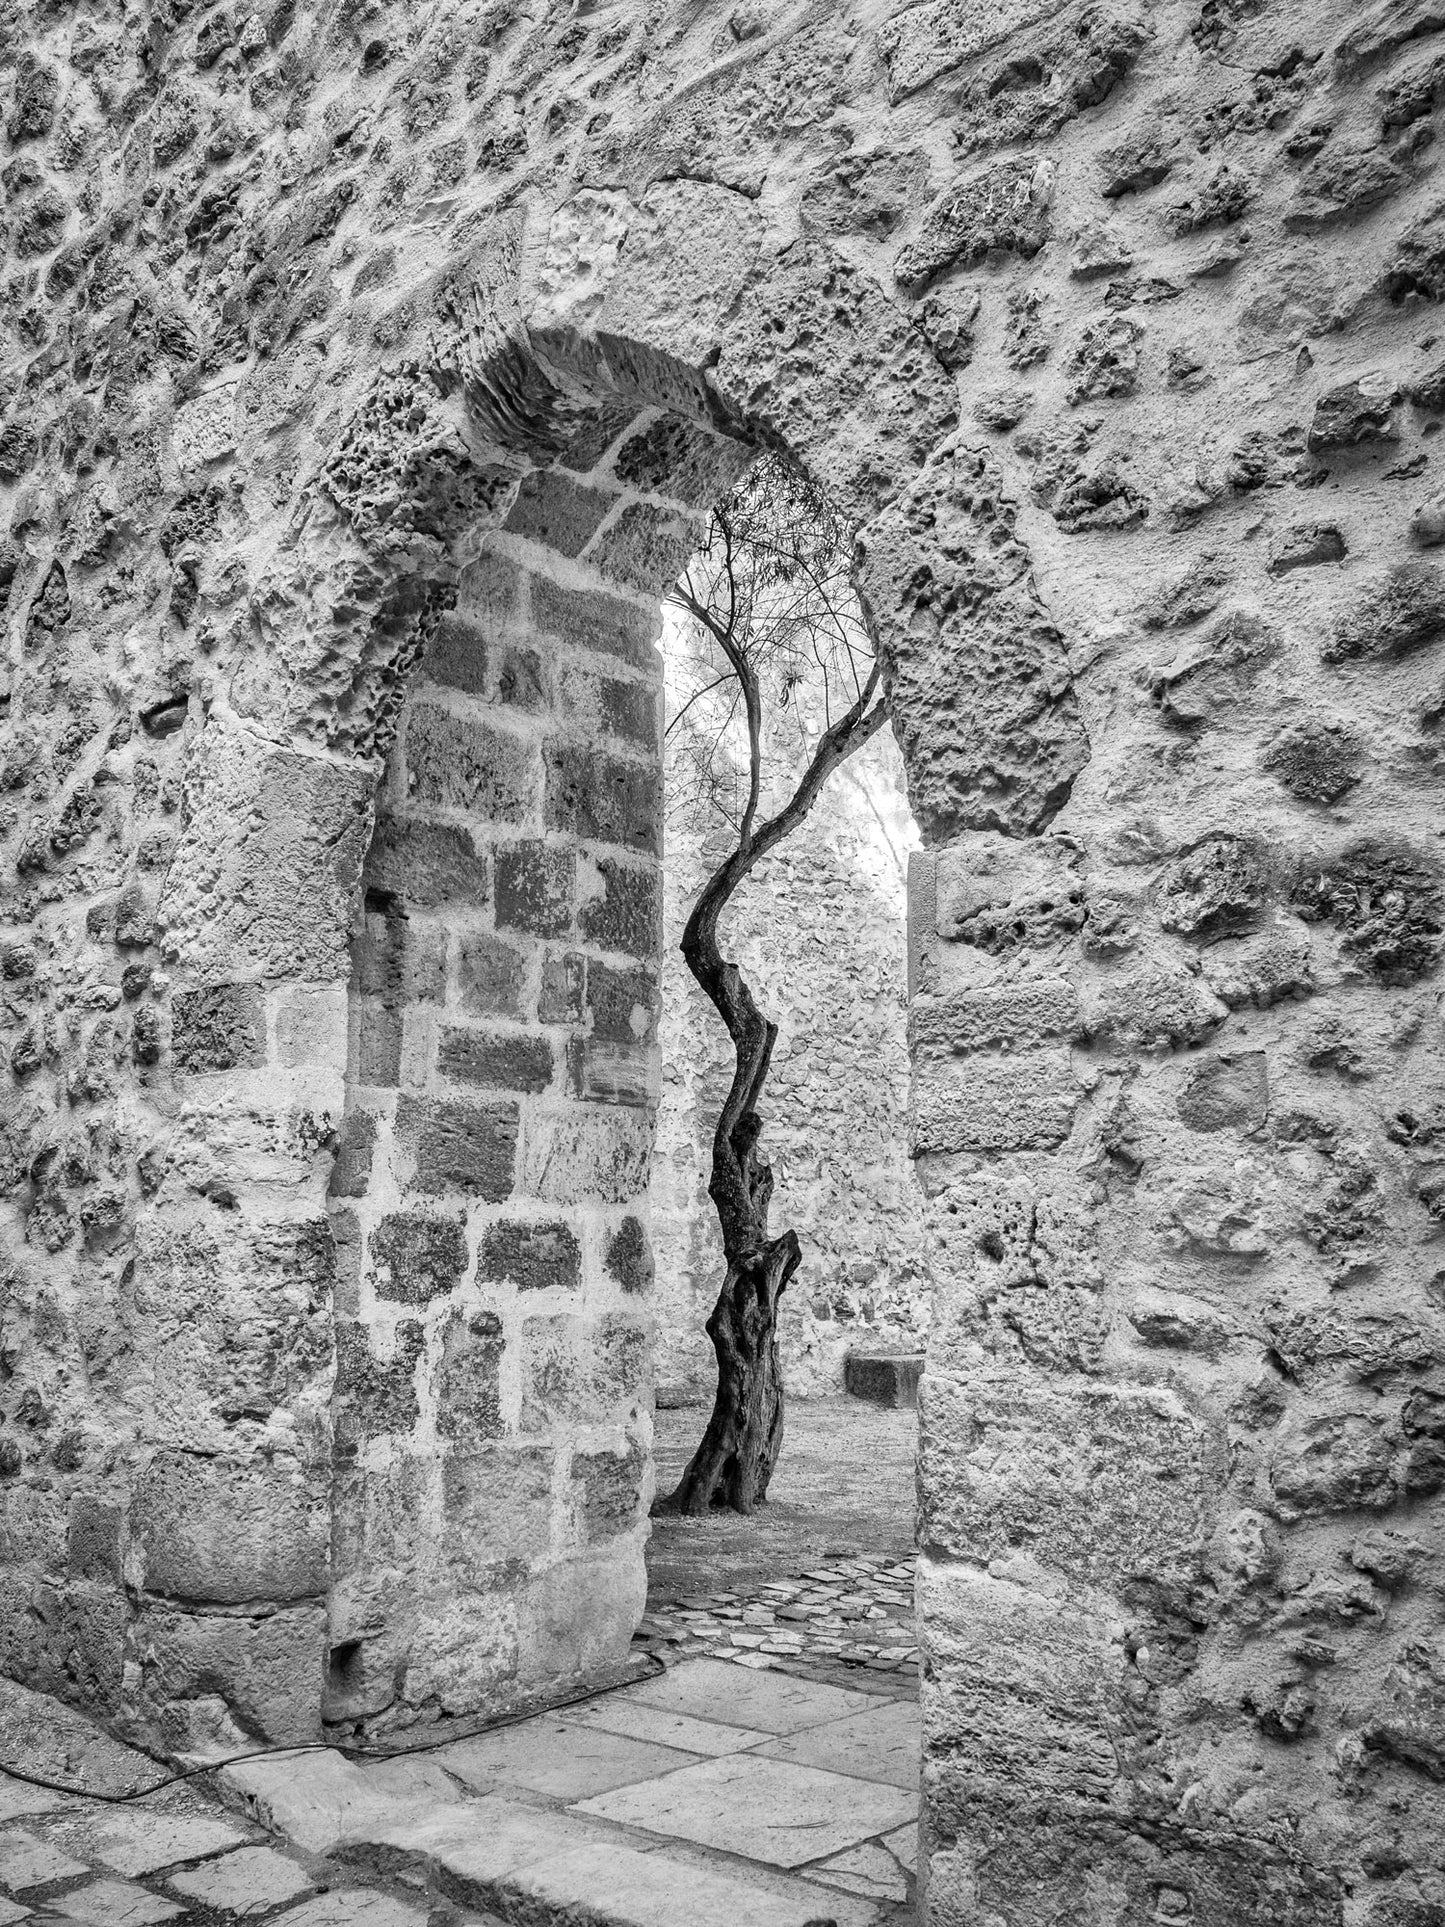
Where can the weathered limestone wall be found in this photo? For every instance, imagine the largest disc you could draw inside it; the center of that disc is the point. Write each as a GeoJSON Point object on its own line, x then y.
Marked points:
{"type": "Point", "coordinates": [1177, 1062]}
{"type": "Point", "coordinates": [492, 1402]}
{"type": "Point", "coordinates": [1112, 325]}
{"type": "Point", "coordinates": [820, 933]}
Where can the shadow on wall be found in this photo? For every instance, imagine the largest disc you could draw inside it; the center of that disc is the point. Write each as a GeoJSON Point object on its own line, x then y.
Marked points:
{"type": "Point", "coordinates": [819, 930]}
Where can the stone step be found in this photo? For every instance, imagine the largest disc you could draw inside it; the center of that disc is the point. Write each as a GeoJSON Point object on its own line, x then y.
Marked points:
{"type": "Point", "coordinates": [884, 1378]}
{"type": "Point", "coordinates": [518, 1861]}
{"type": "Point", "coordinates": [552, 1870]}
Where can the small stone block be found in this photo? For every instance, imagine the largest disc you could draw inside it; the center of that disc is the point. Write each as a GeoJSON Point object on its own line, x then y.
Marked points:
{"type": "Point", "coordinates": [495, 1061]}
{"type": "Point", "coordinates": [114, 1903]}
{"type": "Point", "coordinates": [461, 1147]}
{"type": "Point", "coordinates": [782, 1814]}
{"type": "Point", "coordinates": [353, 1907]}
{"type": "Point", "coordinates": [588, 620]}
{"type": "Point", "coordinates": [27, 1861]}
{"type": "Point", "coordinates": [556, 511]}
{"type": "Point", "coordinates": [218, 1028]}
{"type": "Point", "coordinates": [884, 1379]}
{"type": "Point", "coordinates": [251, 1880]}
{"type": "Point", "coordinates": [143, 1843]}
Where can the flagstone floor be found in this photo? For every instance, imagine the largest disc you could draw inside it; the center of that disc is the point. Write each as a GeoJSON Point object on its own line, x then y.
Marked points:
{"type": "Point", "coordinates": [731, 1790]}
{"type": "Point", "coordinates": [176, 1856]}
{"type": "Point", "coordinates": [713, 1795]}
{"type": "Point", "coordinates": [768, 1778]}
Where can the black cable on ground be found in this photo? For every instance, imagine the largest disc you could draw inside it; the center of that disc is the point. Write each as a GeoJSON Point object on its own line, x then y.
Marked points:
{"type": "Point", "coordinates": [474, 1730]}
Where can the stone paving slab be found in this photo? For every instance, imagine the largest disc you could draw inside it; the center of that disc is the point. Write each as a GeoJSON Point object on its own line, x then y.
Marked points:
{"type": "Point", "coordinates": [114, 1903]}
{"type": "Point", "coordinates": [519, 1860]}
{"type": "Point", "coordinates": [776, 1701]}
{"type": "Point", "coordinates": [639, 1721]}
{"type": "Point", "coordinates": [481, 1842]}
{"type": "Point", "coordinates": [637, 1889]}
{"type": "Point", "coordinates": [770, 1810]}
{"type": "Point", "coordinates": [903, 1845]}
{"type": "Point", "coordinates": [883, 1743]}
{"type": "Point", "coordinates": [134, 1840]}
{"type": "Point", "coordinates": [252, 1880]}
{"type": "Point", "coordinates": [868, 1870]}
{"type": "Point", "coordinates": [27, 1860]}
{"type": "Point", "coordinates": [17, 1799]}
{"type": "Point", "coordinates": [563, 1759]}
{"type": "Point", "coordinates": [316, 1800]}
{"type": "Point", "coordinates": [354, 1907]}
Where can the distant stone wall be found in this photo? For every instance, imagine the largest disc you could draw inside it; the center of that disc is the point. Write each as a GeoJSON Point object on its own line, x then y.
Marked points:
{"type": "Point", "coordinates": [819, 931]}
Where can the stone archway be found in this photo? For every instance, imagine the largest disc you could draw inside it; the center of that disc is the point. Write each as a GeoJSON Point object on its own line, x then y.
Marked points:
{"type": "Point", "coordinates": [505, 1074]}
{"type": "Point", "coordinates": [494, 548]}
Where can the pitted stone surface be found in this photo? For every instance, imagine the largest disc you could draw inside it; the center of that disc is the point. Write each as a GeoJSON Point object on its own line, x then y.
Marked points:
{"type": "Point", "coordinates": [300, 308]}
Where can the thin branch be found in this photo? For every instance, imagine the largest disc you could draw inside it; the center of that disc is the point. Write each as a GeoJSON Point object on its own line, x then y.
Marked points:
{"type": "Point", "coordinates": [696, 696]}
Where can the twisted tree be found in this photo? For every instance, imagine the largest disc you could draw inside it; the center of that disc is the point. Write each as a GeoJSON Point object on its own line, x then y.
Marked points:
{"type": "Point", "coordinates": [774, 633]}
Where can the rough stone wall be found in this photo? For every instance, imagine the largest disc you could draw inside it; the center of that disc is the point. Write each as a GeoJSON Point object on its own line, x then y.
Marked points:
{"type": "Point", "coordinates": [1112, 325]}
{"type": "Point", "coordinates": [337, 1464]}
{"type": "Point", "coordinates": [1177, 1061]}
{"type": "Point", "coordinates": [820, 933]}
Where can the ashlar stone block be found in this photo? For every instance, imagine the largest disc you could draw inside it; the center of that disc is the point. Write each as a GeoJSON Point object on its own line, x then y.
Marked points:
{"type": "Point", "coordinates": [579, 1369]}
{"type": "Point", "coordinates": [229, 1532]}
{"type": "Point", "coordinates": [1105, 1484]}
{"type": "Point", "coordinates": [265, 875]}
{"type": "Point", "coordinates": [467, 1148]}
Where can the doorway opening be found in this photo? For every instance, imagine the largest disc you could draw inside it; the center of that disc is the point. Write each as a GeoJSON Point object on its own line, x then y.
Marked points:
{"type": "Point", "coordinates": [817, 1581]}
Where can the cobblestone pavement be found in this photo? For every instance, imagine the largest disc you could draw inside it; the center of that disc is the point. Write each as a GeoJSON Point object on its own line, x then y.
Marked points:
{"type": "Point", "coordinates": [172, 1858]}
{"type": "Point", "coordinates": [842, 1613]}
{"type": "Point", "coordinates": [175, 1856]}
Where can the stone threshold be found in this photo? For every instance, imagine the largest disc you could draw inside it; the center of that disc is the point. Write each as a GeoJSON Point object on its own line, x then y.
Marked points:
{"type": "Point", "coordinates": [708, 1797]}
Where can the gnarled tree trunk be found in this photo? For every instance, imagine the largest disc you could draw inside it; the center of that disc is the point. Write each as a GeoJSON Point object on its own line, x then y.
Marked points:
{"type": "Point", "coordinates": [734, 1463]}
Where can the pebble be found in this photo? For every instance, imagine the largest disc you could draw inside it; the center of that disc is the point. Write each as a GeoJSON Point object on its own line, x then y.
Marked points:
{"type": "Point", "coordinates": [856, 1612]}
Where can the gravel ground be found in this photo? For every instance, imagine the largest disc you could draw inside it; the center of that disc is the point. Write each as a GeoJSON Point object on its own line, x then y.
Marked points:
{"type": "Point", "coordinates": [843, 1489]}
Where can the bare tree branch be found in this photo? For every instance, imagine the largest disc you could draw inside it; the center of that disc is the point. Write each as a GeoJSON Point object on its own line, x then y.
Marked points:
{"type": "Point", "coordinates": [769, 605]}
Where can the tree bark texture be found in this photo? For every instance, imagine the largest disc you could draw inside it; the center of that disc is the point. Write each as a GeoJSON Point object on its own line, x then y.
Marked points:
{"type": "Point", "coordinates": [734, 1463]}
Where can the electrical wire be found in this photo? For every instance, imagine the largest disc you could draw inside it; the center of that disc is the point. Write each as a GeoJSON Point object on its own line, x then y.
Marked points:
{"type": "Point", "coordinates": [474, 1730]}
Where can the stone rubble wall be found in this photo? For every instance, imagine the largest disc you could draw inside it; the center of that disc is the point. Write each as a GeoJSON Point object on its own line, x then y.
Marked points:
{"type": "Point", "coordinates": [819, 931]}
{"type": "Point", "coordinates": [351, 1471]}
{"type": "Point", "coordinates": [1112, 326]}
